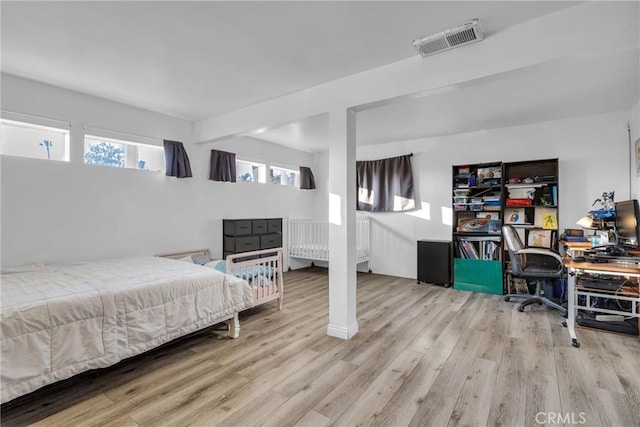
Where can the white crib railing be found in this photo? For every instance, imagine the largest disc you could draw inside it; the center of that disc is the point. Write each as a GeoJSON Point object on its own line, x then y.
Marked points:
{"type": "Point", "coordinates": [309, 239]}
{"type": "Point", "coordinates": [263, 270]}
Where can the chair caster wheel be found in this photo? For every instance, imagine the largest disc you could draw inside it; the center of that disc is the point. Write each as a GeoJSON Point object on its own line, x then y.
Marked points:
{"type": "Point", "coordinates": [575, 343]}
{"type": "Point", "coordinates": [520, 308]}
{"type": "Point", "coordinates": [564, 324]}
{"type": "Point", "coordinates": [507, 299]}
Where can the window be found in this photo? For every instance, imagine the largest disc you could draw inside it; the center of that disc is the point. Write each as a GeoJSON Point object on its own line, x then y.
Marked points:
{"type": "Point", "coordinates": [35, 141]}
{"type": "Point", "coordinates": [250, 171]}
{"type": "Point", "coordinates": [282, 176]}
{"type": "Point", "coordinates": [123, 154]}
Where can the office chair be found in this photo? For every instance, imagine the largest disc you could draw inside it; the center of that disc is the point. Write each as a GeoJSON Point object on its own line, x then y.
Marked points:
{"type": "Point", "coordinates": [532, 264]}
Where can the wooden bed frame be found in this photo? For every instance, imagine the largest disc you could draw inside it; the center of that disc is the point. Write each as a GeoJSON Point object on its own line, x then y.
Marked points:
{"type": "Point", "coordinates": [264, 266]}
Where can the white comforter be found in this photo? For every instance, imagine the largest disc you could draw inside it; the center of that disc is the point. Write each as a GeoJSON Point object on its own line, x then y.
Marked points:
{"type": "Point", "coordinates": [59, 320]}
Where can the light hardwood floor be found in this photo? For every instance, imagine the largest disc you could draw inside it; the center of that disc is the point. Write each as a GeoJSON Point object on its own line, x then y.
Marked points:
{"type": "Point", "coordinates": [424, 356]}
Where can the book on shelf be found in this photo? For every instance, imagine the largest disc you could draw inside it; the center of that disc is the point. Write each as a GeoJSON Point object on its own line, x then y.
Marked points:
{"type": "Point", "coordinates": [488, 250]}
{"type": "Point", "coordinates": [469, 250]}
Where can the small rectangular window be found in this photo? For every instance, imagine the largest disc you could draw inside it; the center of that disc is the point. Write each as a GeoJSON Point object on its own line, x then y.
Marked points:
{"type": "Point", "coordinates": [123, 154]}
{"type": "Point", "coordinates": [35, 141]}
{"type": "Point", "coordinates": [250, 171]}
{"type": "Point", "coordinates": [283, 176]}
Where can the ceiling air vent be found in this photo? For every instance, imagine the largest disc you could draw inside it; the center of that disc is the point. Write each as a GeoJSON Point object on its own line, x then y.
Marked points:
{"type": "Point", "coordinates": [466, 33]}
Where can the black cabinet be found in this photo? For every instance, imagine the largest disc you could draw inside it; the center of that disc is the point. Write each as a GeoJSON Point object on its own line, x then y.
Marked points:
{"type": "Point", "coordinates": [246, 235]}
{"type": "Point", "coordinates": [434, 262]}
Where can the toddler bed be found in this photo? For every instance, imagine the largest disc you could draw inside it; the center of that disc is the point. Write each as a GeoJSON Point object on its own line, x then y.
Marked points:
{"type": "Point", "coordinates": [261, 269]}
{"type": "Point", "coordinates": [60, 320]}
{"type": "Point", "coordinates": [309, 239]}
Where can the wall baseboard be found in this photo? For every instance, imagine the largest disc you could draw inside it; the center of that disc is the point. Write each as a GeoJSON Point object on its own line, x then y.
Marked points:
{"type": "Point", "coordinates": [342, 332]}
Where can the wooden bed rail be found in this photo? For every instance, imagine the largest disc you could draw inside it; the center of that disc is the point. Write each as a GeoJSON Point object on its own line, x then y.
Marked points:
{"type": "Point", "coordinates": [263, 270]}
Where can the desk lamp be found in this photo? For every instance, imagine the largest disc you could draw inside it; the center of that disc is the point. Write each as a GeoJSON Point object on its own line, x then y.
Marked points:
{"type": "Point", "coordinates": [597, 219]}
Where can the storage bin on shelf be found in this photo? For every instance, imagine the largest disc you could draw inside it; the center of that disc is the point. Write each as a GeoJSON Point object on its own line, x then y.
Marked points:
{"type": "Point", "coordinates": [460, 199]}
{"type": "Point", "coordinates": [477, 206]}
{"type": "Point", "coordinates": [518, 202]}
{"type": "Point", "coordinates": [492, 206]}
{"type": "Point", "coordinates": [460, 206]}
{"type": "Point", "coordinates": [491, 197]}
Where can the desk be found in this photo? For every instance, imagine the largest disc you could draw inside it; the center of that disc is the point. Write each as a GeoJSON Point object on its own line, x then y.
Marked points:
{"type": "Point", "coordinates": [613, 269]}
{"type": "Point", "coordinates": [574, 249]}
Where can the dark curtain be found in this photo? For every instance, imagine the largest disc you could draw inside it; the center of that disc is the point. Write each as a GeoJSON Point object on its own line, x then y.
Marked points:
{"type": "Point", "coordinates": [223, 166]}
{"type": "Point", "coordinates": [176, 160]}
{"type": "Point", "coordinates": [307, 182]}
{"type": "Point", "coordinates": [385, 185]}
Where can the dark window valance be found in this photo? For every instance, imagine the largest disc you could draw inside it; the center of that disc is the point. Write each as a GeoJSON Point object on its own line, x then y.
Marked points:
{"type": "Point", "coordinates": [176, 160]}
{"type": "Point", "coordinates": [307, 182]}
{"type": "Point", "coordinates": [385, 185]}
{"type": "Point", "coordinates": [223, 166]}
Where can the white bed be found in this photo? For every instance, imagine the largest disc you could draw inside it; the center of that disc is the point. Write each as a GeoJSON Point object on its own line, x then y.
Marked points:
{"type": "Point", "coordinates": [60, 320]}
{"type": "Point", "coordinates": [309, 239]}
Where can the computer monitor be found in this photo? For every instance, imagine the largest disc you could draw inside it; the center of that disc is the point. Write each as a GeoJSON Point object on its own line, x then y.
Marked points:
{"type": "Point", "coordinates": [627, 227]}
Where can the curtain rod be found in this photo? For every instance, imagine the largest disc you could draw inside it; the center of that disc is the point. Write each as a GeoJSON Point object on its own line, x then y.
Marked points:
{"type": "Point", "coordinates": [16, 113]}
{"type": "Point", "coordinates": [150, 138]}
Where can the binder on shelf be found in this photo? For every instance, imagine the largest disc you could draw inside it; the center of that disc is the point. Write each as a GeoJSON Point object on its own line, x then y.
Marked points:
{"type": "Point", "coordinates": [470, 249]}
{"type": "Point", "coordinates": [464, 253]}
{"type": "Point", "coordinates": [481, 249]}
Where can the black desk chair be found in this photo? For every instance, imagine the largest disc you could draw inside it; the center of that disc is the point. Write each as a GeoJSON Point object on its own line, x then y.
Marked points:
{"type": "Point", "coordinates": [532, 264]}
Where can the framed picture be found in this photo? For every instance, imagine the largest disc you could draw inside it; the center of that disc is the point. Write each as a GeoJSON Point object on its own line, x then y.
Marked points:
{"type": "Point", "coordinates": [474, 225]}
{"type": "Point", "coordinates": [540, 238]}
{"type": "Point", "coordinates": [514, 216]}
{"type": "Point", "coordinates": [546, 218]}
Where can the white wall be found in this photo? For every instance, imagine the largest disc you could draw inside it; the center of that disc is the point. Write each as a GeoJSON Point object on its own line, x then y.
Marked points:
{"type": "Point", "coordinates": [59, 211]}
{"type": "Point", "coordinates": [593, 158]}
{"type": "Point", "coordinates": [634, 135]}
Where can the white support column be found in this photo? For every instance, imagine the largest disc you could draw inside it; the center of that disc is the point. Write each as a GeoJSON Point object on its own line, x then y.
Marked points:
{"type": "Point", "coordinates": [342, 224]}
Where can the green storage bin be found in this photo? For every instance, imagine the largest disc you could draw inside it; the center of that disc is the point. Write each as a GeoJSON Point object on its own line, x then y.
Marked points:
{"type": "Point", "coordinates": [477, 275]}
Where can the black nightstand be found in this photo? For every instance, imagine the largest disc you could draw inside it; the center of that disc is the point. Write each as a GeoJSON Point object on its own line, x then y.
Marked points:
{"type": "Point", "coordinates": [435, 262]}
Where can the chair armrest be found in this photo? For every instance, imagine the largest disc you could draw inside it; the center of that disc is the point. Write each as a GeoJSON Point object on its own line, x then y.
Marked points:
{"type": "Point", "coordinates": [538, 251]}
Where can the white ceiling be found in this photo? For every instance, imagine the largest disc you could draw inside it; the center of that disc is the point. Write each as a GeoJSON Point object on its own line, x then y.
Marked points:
{"type": "Point", "coordinates": [195, 60]}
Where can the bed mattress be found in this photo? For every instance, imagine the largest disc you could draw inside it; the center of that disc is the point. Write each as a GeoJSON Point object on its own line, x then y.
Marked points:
{"type": "Point", "coordinates": [59, 320]}
{"type": "Point", "coordinates": [320, 252]}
